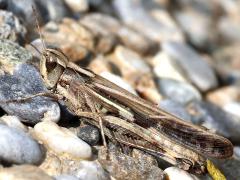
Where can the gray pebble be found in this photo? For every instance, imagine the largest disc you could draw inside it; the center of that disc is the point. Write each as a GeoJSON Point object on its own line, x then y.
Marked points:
{"type": "Point", "coordinates": [196, 68]}
{"type": "Point", "coordinates": [11, 55]}
{"type": "Point", "coordinates": [18, 148]}
{"type": "Point", "coordinates": [134, 14]}
{"type": "Point", "coordinates": [89, 134]}
{"type": "Point", "coordinates": [24, 82]}
{"type": "Point", "coordinates": [11, 28]}
{"type": "Point", "coordinates": [175, 108]}
{"type": "Point", "coordinates": [181, 92]}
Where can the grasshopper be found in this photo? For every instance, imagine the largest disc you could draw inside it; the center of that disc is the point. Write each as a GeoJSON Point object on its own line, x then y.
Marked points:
{"type": "Point", "coordinates": [128, 119]}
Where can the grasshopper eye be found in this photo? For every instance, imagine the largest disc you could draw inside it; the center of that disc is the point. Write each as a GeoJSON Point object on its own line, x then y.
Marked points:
{"type": "Point", "coordinates": [52, 65]}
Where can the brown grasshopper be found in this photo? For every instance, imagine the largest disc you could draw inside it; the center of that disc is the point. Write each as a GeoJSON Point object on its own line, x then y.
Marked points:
{"type": "Point", "coordinates": [127, 118]}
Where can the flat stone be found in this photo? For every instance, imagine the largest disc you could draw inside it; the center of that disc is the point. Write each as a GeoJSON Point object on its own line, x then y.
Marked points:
{"type": "Point", "coordinates": [197, 70]}
{"type": "Point", "coordinates": [62, 141]}
{"type": "Point", "coordinates": [24, 82]}
{"type": "Point", "coordinates": [17, 147]}
{"type": "Point", "coordinates": [181, 92]}
{"type": "Point", "coordinates": [158, 28]}
{"type": "Point", "coordinates": [173, 173]}
{"type": "Point", "coordinates": [121, 166]}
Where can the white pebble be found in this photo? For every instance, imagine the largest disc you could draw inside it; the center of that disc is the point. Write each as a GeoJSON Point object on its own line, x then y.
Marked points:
{"type": "Point", "coordinates": [174, 173]}
{"type": "Point", "coordinates": [62, 141]}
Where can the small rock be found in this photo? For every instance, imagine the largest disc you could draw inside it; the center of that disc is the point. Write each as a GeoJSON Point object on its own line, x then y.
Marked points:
{"type": "Point", "coordinates": [206, 37]}
{"type": "Point", "coordinates": [121, 166]}
{"type": "Point", "coordinates": [173, 173]}
{"type": "Point", "coordinates": [181, 92]}
{"type": "Point", "coordinates": [24, 172]}
{"type": "Point", "coordinates": [62, 141]}
{"type": "Point", "coordinates": [89, 134]}
{"type": "Point", "coordinates": [164, 67]}
{"type": "Point", "coordinates": [103, 24]}
{"type": "Point", "coordinates": [237, 152]}
{"type": "Point", "coordinates": [24, 82]}
{"type": "Point", "coordinates": [233, 108]}
{"type": "Point", "coordinates": [175, 108]}
{"type": "Point", "coordinates": [23, 9]}
{"type": "Point", "coordinates": [224, 95]}
{"type": "Point", "coordinates": [226, 62]}
{"type": "Point", "coordinates": [195, 67]}
{"type": "Point", "coordinates": [11, 55]}
{"type": "Point", "coordinates": [77, 5]}
{"type": "Point", "coordinates": [18, 148]}
{"type": "Point", "coordinates": [119, 81]}
{"type": "Point", "coordinates": [99, 65]}
{"type": "Point", "coordinates": [104, 29]}
{"type": "Point", "coordinates": [14, 122]}
{"type": "Point", "coordinates": [158, 28]}
{"type": "Point", "coordinates": [66, 177]}
{"type": "Point", "coordinates": [53, 10]}
{"type": "Point", "coordinates": [91, 170]}
{"type": "Point", "coordinates": [11, 28]}
{"type": "Point", "coordinates": [72, 38]}
{"type": "Point", "coordinates": [136, 71]}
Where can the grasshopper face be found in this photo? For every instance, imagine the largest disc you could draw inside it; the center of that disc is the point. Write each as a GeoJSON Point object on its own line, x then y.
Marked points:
{"type": "Point", "coordinates": [53, 63]}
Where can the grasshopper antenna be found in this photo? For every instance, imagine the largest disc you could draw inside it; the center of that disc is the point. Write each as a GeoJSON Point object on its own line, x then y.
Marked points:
{"type": "Point", "coordinates": [38, 27]}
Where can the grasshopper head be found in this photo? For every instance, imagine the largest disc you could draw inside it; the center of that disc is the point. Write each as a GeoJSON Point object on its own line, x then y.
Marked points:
{"type": "Point", "coordinates": [52, 64]}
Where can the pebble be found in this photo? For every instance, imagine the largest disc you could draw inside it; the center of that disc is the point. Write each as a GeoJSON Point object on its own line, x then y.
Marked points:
{"type": "Point", "coordinates": [53, 10]}
{"type": "Point", "coordinates": [233, 108]}
{"type": "Point", "coordinates": [89, 134]}
{"type": "Point", "coordinates": [225, 95]}
{"type": "Point", "coordinates": [173, 173]}
{"type": "Point", "coordinates": [104, 24]}
{"type": "Point", "coordinates": [164, 67]}
{"type": "Point", "coordinates": [227, 64]}
{"type": "Point", "coordinates": [17, 147]}
{"type": "Point", "coordinates": [24, 82]}
{"type": "Point", "coordinates": [121, 166]}
{"type": "Point", "coordinates": [135, 70]}
{"type": "Point", "coordinates": [23, 10]}
{"type": "Point", "coordinates": [72, 38]}
{"type": "Point", "coordinates": [11, 55]}
{"type": "Point", "coordinates": [236, 151]}
{"type": "Point", "coordinates": [11, 28]}
{"type": "Point", "coordinates": [206, 39]}
{"type": "Point", "coordinates": [24, 172]}
{"type": "Point", "coordinates": [175, 108]}
{"type": "Point", "coordinates": [77, 5]}
{"type": "Point", "coordinates": [195, 67]}
{"type": "Point", "coordinates": [181, 92]}
{"type": "Point", "coordinates": [14, 122]}
{"type": "Point", "coordinates": [216, 119]}
{"type": "Point", "coordinates": [159, 29]}
{"type": "Point", "coordinates": [62, 141]}
{"type": "Point", "coordinates": [91, 170]}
